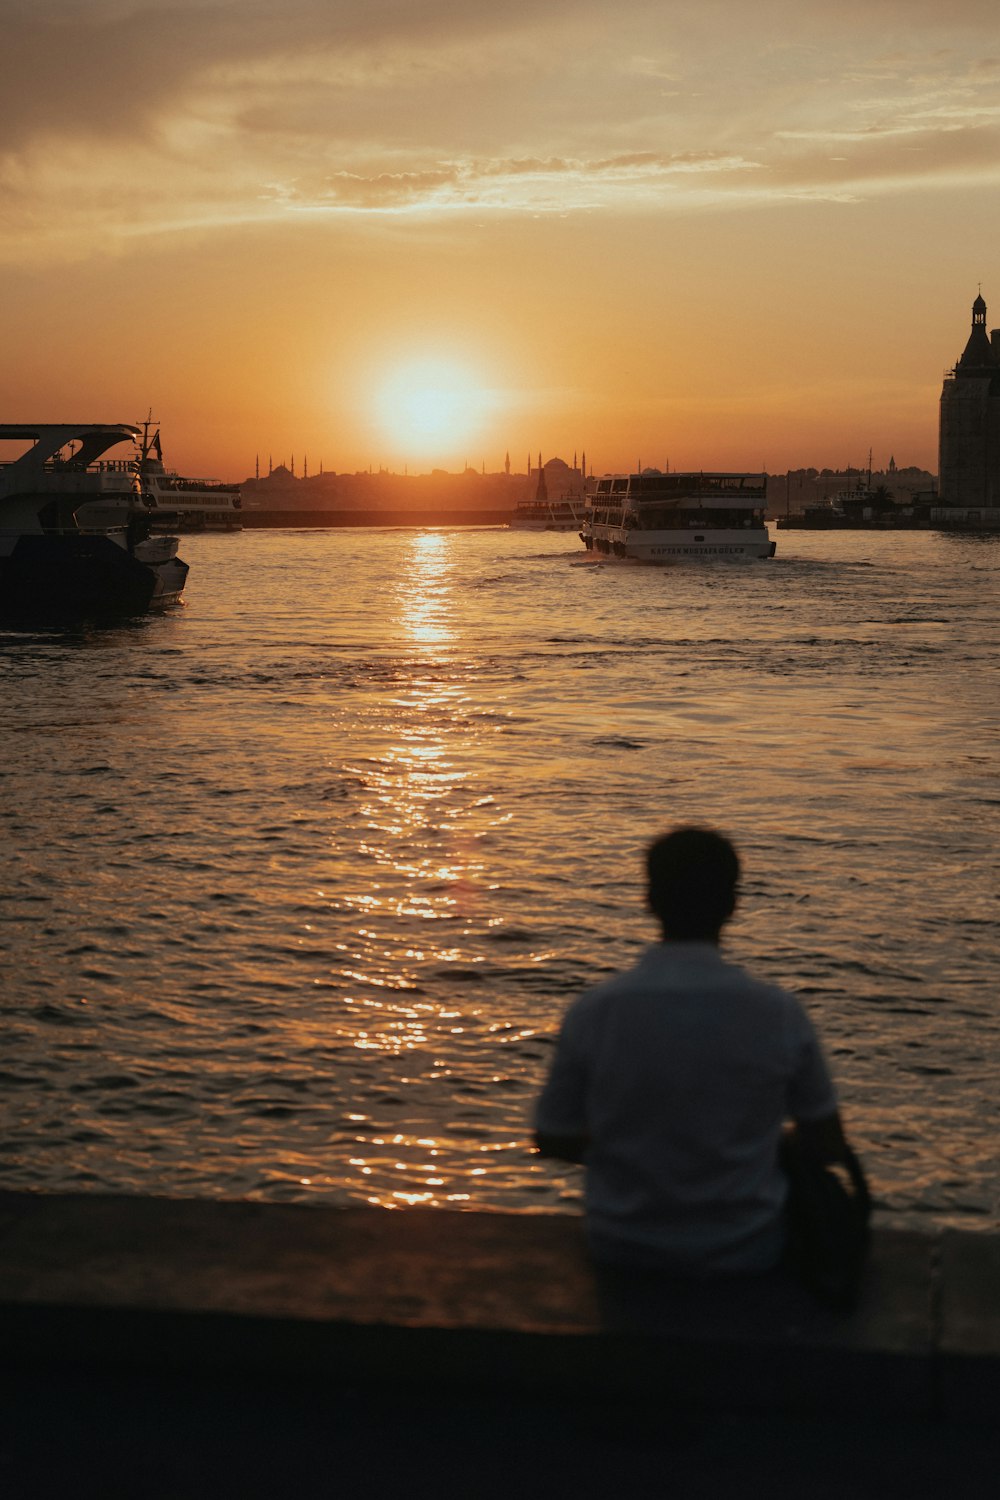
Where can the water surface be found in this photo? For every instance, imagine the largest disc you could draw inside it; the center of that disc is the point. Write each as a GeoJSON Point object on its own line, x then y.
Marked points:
{"type": "Point", "coordinates": [300, 877]}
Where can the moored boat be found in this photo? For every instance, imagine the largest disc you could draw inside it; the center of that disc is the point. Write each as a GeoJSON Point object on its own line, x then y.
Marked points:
{"type": "Point", "coordinates": [74, 529]}
{"type": "Point", "coordinates": [683, 517]}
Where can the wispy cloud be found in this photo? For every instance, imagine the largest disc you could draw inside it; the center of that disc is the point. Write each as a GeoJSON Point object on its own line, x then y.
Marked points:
{"type": "Point", "coordinates": [512, 184]}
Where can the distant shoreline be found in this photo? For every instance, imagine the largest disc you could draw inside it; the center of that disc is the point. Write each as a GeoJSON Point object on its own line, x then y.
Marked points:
{"type": "Point", "coordinates": [312, 519]}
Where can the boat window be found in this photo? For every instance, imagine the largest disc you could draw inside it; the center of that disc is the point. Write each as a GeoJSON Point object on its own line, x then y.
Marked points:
{"type": "Point", "coordinates": [670, 517]}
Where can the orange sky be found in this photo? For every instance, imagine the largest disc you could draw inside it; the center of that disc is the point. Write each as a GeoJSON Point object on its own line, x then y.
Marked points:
{"type": "Point", "coordinates": [710, 233]}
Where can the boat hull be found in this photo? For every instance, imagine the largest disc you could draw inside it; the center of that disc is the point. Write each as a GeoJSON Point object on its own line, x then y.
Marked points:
{"type": "Point", "coordinates": [186, 522]}
{"type": "Point", "coordinates": [78, 574]}
{"type": "Point", "coordinates": [668, 547]}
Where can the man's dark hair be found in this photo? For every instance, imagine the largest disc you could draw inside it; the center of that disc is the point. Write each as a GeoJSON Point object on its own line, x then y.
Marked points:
{"type": "Point", "coordinates": [692, 874]}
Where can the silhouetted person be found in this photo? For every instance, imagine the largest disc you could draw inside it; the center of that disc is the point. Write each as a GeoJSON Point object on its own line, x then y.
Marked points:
{"type": "Point", "coordinates": [672, 1083]}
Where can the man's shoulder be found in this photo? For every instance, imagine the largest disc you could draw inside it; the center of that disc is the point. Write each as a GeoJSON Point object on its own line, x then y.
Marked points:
{"type": "Point", "coordinates": [764, 992]}
{"type": "Point", "coordinates": [650, 965]}
{"type": "Point", "coordinates": [680, 967]}
{"type": "Point", "coordinates": [596, 997]}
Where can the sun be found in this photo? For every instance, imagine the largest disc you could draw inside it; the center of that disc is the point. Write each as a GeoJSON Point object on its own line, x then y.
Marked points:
{"type": "Point", "coordinates": [429, 406]}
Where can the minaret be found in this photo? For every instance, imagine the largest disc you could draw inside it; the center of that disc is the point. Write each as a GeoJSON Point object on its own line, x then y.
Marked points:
{"type": "Point", "coordinates": [256, 466]}
{"type": "Point", "coordinates": [541, 493]}
{"type": "Point", "coordinates": [305, 466]}
{"type": "Point", "coordinates": [506, 462]}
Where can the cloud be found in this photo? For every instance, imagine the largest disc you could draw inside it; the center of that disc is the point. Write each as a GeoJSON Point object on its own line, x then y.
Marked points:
{"type": "Point", "coordinates": [883, 161]}
{"type": "Point", "coordinates": [128, 117]}
{"type": "Point", "coordinates": [530, 184]}
{"type": "Point", "coordinates": [105, 69]}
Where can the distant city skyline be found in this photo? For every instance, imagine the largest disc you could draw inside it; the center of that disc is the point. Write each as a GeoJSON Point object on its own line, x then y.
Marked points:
{"type": "Point", "coordinates": [743, 237]}
{"type": "Point", "coordinates": [290, 469]}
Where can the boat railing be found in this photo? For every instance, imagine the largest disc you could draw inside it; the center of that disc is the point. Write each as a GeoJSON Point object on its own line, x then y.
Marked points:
{"type": "Point", "coordinates": [198, 486]}
{"type": "Point", "coordinates": [115, 466]}
{"type": "Point", "coordinates": [543, 507]}
{"type": "Point", "coordinates": [59, 465]}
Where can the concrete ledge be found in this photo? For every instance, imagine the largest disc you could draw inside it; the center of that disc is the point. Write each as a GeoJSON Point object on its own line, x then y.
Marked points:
{"type": "Point", "coordinates": [969, 1342]}
{"type": "Point", "coordinates": [496, 1302]}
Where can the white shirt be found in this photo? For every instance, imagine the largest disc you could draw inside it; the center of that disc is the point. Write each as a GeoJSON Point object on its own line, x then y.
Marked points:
{"type": "Point", "coordinates": [681, 1073]}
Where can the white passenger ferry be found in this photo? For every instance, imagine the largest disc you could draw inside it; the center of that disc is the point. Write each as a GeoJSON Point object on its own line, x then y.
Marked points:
{"type": "Point", "coordinates": [178, 504]}
{"type": "Point", "coordinates": [672, 518]}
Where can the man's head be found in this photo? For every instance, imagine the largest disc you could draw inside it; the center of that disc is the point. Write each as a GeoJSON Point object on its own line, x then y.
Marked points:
{"type": "Point", "coordinates": [692, 875]}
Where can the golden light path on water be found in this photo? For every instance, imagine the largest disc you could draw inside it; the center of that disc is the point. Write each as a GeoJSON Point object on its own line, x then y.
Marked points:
{"type": "Point", "coordinates": [408, 807]}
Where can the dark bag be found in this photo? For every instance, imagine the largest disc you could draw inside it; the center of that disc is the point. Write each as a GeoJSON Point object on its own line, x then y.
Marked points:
{"type": "Point", "coordinates": [827, 1218]}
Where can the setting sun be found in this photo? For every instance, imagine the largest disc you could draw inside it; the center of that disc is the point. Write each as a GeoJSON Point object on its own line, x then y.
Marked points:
{"type": "Point", "coordinates": [428, 406]}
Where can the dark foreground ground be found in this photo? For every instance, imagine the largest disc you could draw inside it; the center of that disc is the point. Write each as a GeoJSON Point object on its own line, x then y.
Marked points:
{"type": "Point", "coordinates": [170, 1440]}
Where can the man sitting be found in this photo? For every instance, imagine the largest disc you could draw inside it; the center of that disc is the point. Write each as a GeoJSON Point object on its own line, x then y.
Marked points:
{"type": "Point", "coordinates": [672, 1082]}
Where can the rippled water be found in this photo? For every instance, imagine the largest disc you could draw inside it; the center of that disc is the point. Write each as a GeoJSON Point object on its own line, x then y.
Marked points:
{"type": "Point", "coordinates": [299, 879]}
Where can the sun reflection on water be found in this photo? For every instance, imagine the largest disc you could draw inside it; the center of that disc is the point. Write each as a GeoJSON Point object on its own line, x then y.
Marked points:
{"type": "Point", "coordinates": [403, 1170]}
{"type": "Point", "coordinates": [425, 590]}
{"type": "Point", "coordinates": [411, 934]}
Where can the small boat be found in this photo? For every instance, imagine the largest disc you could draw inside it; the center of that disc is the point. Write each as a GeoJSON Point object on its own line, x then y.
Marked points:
{"type": "Point", "coordinates": [564, 513]}
{"type": "Point", "coordinates": [674, 518]}
{"type": "Point", "coordinates": [74, 529]}
{"type": "Point", "coordinates": [178, 504]}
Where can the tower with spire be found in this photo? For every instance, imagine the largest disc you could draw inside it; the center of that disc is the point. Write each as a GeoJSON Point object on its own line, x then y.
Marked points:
{"type": "Point", "coordinates": [969, 432]}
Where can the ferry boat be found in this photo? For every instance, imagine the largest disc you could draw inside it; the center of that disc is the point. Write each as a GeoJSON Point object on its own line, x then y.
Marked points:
{"type": "Point", "coordinates": [178, 504]}
{"type": "Point", "coordinates": [567, 514]}
{"type": "Point", "coordinates": [674, 518]}
{"type": "Point", "coordinates": [74, 529]}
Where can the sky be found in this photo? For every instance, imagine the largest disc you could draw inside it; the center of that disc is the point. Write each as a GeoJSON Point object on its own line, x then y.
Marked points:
{"type": "Point", "coordinates": [424, 233]}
